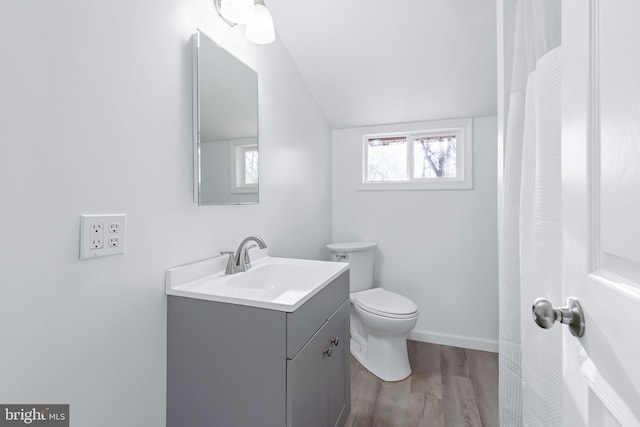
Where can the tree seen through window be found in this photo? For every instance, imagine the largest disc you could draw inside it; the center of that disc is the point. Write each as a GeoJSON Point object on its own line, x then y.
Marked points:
{"type": "Point", "coordinates": [434, 157]}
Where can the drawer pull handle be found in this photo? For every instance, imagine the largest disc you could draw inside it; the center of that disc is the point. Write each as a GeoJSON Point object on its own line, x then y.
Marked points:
{"type": "Point", "coordinates": [335, 341]}
{"type": "Point", "coordinates": [327, 351]}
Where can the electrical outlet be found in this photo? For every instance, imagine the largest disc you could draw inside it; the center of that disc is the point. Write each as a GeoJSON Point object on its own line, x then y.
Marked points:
{"type": "Point", "coordinates": [102, 235]}
{"type": "Point", "coordinates": [114, 241]}
{"type": "Point", "coordinates": [96, 236]}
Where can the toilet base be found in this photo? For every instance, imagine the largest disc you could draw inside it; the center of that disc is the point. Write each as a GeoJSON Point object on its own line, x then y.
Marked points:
{"type": "Point", "coordinates": [385, 357]}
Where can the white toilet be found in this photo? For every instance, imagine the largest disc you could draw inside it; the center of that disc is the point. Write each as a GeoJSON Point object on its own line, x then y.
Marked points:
{"type": "Point", "coordinates": [380, 320]}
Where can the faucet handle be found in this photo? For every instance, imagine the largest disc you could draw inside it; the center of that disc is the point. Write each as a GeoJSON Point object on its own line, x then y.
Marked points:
{"type": "Point", "coordinates": [247, 260]}
{"type": "Point", "coordinates": [230, 262]}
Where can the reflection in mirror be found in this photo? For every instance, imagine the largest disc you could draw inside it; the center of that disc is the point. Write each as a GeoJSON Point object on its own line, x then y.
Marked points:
{"type": "Point", "coordinates": [225, 126]}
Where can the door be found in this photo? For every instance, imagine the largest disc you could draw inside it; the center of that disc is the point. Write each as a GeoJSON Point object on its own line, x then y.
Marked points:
{"type": "Point", "coordinates": [339, 366]}
{"type": "Point", "coordinates": [307, 382]}
{"type": "Point", "coordinates": [601, 210]}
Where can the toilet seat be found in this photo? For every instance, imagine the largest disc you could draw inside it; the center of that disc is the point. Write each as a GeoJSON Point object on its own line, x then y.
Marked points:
{"type": "Point", "coordinates": [383, 303]}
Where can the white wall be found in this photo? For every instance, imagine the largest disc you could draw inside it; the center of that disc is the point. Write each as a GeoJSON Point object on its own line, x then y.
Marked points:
{"type": "Point", "coordinates": [438, 248]}
{"type": "Point", "coordinates": [95, 117]}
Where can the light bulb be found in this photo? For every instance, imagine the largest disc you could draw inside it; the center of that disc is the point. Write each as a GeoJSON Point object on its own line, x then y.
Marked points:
{"type": "Point", "coordinates": [238, 11]}
{"type": "Point", "coordinates": [260, 26]}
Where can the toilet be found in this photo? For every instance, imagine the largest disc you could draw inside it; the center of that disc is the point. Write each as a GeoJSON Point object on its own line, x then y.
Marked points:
{"type": "Point", "coordinates": [380, 319]}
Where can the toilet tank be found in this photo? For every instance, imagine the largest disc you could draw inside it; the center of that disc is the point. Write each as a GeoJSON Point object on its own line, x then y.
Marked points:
{"type": "Point", "coordinates": [360, 256]}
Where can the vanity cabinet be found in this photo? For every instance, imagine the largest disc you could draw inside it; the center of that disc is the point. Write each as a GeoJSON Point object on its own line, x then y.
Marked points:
{"type": "Point", "coordinates": [235, 365]}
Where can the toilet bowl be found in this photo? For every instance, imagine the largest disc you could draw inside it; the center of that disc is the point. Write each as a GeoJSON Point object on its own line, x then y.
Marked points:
{"type": "Point", "coordinates": [380, 322]}
{"type": "Point", "coordinates": [380, 319]}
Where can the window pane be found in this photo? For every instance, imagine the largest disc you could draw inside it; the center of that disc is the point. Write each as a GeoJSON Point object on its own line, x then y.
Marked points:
{"type": "Point", "coordinates": [251, 167]}
{"type": "Point", "coordinates": [387, 159]}
{"type": "Point", "coordinates": [434, 157]}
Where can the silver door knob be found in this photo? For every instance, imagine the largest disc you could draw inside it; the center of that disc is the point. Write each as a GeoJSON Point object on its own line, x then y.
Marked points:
{"type": "Point", "coordinates": [335, 341]}
{"type": "Point", "coordinates": [327, 351]}
{"type": "Point", "coordinates": [545, 315]}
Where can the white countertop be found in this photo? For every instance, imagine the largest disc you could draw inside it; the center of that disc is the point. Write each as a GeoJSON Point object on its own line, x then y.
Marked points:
{"type": "Point", "coordinates": [273, 283]}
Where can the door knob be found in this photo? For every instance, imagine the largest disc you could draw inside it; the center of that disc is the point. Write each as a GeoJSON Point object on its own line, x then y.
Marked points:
{"type": "Point", "coordinates": [545, 315]}
{"type": "Point", "coordinates": [327, 351]}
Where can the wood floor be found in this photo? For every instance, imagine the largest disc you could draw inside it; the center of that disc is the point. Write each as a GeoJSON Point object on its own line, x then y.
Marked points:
{"type": "Point", "coordinates": [449, 387]}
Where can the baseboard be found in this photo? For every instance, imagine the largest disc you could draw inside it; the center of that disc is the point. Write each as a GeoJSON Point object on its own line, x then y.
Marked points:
{"type": "Point", "coordinates": [454, 340]}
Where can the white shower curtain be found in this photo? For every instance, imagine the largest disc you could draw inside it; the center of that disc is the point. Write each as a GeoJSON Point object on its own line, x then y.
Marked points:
{"type": "Point", "coordinates": [531, 241]}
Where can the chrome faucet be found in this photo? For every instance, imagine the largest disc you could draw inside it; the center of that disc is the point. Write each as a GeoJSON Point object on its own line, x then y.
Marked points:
{"type": "Point", "coordinates": [240, 261]}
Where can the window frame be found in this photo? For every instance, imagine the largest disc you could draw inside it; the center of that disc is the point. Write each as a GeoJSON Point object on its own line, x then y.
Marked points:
{"type": "Point", "coordinates": [461, 128]}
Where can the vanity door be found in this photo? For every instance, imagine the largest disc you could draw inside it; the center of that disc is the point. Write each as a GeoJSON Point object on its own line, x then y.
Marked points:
{"type": "Point", "coordinates": [339, 366]}
{"type": "Point", "coordinates": [307, 383]}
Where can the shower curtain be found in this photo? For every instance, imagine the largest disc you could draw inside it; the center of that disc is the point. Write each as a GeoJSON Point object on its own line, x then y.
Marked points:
{"type": "Point", "coordinates": [530, 357]}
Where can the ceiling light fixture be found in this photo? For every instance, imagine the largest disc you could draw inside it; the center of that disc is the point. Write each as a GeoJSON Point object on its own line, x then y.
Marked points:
{"type": "Point", "coordinates": [253, 14]}
{"type": "Point", "coordinates": [238, 11]}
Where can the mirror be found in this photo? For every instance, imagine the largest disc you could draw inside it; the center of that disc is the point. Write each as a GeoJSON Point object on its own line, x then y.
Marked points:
{"type": "Point", "coordinates": [225, 126]}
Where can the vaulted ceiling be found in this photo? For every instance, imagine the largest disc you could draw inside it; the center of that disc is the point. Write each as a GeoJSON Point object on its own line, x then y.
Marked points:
{"type": "Point", "coordinates": [370, 62]}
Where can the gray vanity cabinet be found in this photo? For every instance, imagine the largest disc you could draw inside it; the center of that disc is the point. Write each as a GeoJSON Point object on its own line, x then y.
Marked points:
{"type": "Point", "coordinates": [233, 365]}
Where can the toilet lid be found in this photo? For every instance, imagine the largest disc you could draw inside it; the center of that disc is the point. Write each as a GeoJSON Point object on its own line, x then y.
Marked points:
{"type": "Point", "coordinates": [384, 303]}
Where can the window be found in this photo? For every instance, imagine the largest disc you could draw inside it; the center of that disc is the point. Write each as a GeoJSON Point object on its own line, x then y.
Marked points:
{"type": "Point", "coordinates": [245, 167]}
{"type": "Point", "coordinates": [386, 159]}
{"type": "Point", "coordinates": [250, 156]}
{"type": "Point", "coordinates": [418, 156]}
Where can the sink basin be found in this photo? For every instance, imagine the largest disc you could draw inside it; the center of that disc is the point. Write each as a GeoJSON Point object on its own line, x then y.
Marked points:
{"type": "Point", "coordinates": [275, 283]}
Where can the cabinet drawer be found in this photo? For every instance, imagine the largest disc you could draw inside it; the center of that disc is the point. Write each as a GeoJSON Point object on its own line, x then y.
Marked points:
{"type": "Point", "coordinates": [306, 320]}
